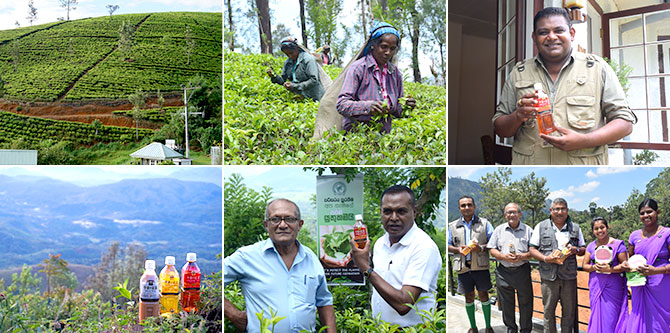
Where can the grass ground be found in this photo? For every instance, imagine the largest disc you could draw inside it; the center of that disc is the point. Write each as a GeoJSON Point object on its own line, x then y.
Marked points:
{"type": "Point", "coordinates": [119, 154]}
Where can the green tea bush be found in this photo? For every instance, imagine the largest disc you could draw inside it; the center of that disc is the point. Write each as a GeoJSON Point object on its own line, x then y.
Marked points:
{"type": "Point", "coordinates": [265, 124]}
{"type": "Point", "coordinates": [24, 309]}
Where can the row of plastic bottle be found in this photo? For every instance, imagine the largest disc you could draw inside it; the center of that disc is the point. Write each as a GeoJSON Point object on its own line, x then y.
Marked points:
{"type": "Point", "coordinates": [160, 295]}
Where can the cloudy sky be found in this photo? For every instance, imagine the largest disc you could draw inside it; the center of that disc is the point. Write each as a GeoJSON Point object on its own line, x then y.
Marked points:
{"type": "Point", "coordinates": [606, 186]}
{"type": "Point", "coordinates": [99, 175]}
{"type": "Point", "coordinates": [49, 10]}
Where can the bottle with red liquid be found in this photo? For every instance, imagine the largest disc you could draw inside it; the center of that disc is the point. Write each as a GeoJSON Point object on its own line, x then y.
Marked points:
{"type": "Point", "coordinates": [545, 120]}
{"type": "Point", "coordinates": [360, 232]}
{"type": "Point", "coordinates": [190, 284]}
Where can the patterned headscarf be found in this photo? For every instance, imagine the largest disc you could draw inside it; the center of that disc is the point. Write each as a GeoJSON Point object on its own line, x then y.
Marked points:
{"type": "Point", "coordinates": [291, 44]}
{"type": "Point", "coordinates": [379, 29]}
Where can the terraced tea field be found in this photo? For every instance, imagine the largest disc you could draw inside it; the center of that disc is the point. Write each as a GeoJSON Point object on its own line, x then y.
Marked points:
{"type": "Point", "coordinates": [75, 70]}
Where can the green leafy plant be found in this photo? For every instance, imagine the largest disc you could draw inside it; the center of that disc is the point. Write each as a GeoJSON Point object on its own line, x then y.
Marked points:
{"type": "Point", "coordinates": [336, 243]}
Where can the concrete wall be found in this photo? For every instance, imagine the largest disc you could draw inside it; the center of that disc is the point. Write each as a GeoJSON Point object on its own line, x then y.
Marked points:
{"type": "Point", "coordinates": [471, 94]}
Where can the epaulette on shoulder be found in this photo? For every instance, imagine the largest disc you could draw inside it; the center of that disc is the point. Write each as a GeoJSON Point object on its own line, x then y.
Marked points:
{"type": "Point", "coordinates": [520, 66]}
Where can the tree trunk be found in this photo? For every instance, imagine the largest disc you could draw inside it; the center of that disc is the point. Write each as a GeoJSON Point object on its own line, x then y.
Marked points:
{"type": "Point", "coordinates": [303, 29]}
{"type": "Point", "coordinates": [264, 26]}
{"type": "Point", "coordinates": [444, 69]}
{"type": "Point", "coordinates": [231, 41]}
{"type": "Point", "coordinates": [430, 189]}
{"type": "Point", "coordinates": [385, 6]}
{"type": "Point", "coordinates": [415, 45]}
{"type": "Point", "coordinates": [363, 23]}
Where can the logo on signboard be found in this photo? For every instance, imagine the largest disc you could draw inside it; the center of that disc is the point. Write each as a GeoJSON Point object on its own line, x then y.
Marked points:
{"type": "Point", "coordinates": [339, 188]}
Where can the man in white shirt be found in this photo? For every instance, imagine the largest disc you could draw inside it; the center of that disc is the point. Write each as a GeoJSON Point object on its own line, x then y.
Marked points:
{"type": "Point", "coordinates": [406, 261]}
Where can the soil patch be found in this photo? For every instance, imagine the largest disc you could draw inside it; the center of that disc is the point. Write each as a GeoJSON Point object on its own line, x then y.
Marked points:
{"type": "Point", "coordinates": [87, 111]}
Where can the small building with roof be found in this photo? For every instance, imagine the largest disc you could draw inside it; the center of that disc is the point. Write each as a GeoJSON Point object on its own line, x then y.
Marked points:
{"type": "Point", "coordinates": [155, 153]}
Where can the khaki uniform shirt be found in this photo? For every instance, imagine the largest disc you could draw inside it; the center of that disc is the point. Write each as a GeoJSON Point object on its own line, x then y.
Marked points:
{"type": "Point", "coordinates": [585, 96]}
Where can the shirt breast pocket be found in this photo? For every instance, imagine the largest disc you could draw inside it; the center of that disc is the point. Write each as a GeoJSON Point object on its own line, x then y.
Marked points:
{"type": "Point", "coordinates": [582, 114]}
{"type": "Point", "coordinates": [304, 288]}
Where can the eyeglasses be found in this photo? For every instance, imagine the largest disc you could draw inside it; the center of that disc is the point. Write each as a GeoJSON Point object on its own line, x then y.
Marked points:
{"type": "Point", "coordinates": [560, 209]}
{"type": "Point", "coordinates": [512, 212]}
{"type": "Point", "coordinates": [276, 220]}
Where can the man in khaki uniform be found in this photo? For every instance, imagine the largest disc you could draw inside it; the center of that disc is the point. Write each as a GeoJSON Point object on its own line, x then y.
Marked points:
{"type": "Point", "coordinates": [589, 105]}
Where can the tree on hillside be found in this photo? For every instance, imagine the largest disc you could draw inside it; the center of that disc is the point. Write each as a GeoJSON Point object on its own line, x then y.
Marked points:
{"type": "Point", "coordinates": [303, 28]}
{"type": "Point", "coordinates": [160, 100]}
{"type": "Point", "coordinates": [434, 14]}
{"type": "Point", "coordinates": [126, 31]}
{"type": "Point", "coordinates": [138, 99]}
{"type": "Point", "coordinates": [17, 24]}
{"type": "Point", "coordinates": [405, 16]}
{"type": "Point", "coordinates": [531, 195]}
{"type": "Point", "coordinates": [111, 9]}
{"type": "Point", "coordinates": [245, 212]}
{"type": "Point", "coordinates": [495, 191]}
{"type": "Point", "coordinates": [264, 26]}
{"type": "Point", "coordinates": [69, 4]}
{"type": "Point", "coordinates": [323, 15]}
{"type": "Point", "coordinates": [365, 12]}
{"type": "Point", "coordinates": [115, 266]}
{"type": "Point", "coordinates": [190, 44]}
{"type": "Point", "coordinates": [97, 124]}
{"type": "Point", "coordinates": [52, 267]}
{"type": "Point", "coordinates": [32, 12]}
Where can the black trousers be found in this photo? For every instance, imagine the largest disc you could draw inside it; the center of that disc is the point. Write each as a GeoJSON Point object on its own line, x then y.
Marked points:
{"type": "Point", "coordinates": [509, 280]}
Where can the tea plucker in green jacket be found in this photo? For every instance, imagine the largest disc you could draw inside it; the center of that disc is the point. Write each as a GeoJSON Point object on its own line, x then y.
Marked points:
{"type": "Point", "coordinates": [300, 74]}
{"type": "Point", "coordinates": [589, 105]}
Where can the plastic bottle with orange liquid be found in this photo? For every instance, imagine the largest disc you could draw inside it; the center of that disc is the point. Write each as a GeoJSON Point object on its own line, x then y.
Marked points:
{"type": "Point", "coordinates": [190, 284]}
{"type": "Point", "coordinates": [545, 120]}
{"type": "Point", "coordinates": [149, 295]}
{"type": "Point", "coordinates": [360, 232]}
{"type": "Point", "coordinates": [169, 287]}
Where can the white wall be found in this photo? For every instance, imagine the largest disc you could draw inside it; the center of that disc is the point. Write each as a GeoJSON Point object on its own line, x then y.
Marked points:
{"type": "Point", "coordinates": [471, 94]}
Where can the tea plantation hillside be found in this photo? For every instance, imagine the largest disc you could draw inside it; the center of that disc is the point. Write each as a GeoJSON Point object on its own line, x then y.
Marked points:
{"type": "Point", "coordinates": [265, 124]}
{"type": "Point", "coordinates": [82, 60]}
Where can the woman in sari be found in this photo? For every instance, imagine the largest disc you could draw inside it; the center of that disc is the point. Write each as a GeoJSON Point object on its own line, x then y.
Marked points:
{"type": "Point", "coordinates": [607, 285]}
{"type": "Point", "coordinates": [650, 311]}
{"type": "Point", "coordinates": [373, 84]}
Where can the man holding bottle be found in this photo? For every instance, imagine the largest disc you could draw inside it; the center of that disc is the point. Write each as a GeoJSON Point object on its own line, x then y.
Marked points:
{"type": "Point", "coordinates": [555, 243]}
{"type": "Point", "coordinates": [509, 245]}
{"type": "Point", "coordinates": [589, 105]}
{"type": "Point", "coordinates": [405, 261]}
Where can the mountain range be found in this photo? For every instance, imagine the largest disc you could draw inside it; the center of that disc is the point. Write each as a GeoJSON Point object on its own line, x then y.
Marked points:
{"type": "Point", "coordinates": [167, 216]}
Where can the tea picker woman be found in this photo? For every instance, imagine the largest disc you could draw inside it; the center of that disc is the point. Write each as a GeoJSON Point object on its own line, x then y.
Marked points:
{"type": "Point", "coordinates": [373, 84]}
{"type": "Point", "coordinates": [650, 310]}
{"type": "Point", "coordinates": [607, 285]}
{"type": "Point", "coordinates": [300, 74]}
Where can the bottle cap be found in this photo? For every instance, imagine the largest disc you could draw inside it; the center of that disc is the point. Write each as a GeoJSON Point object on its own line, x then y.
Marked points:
{"type": "Point", "coordinates": [190, 256]}
{"type": "Point", "coordinates": [537, 86]}
{"type": "Point", "coordinates": [150, 265]}
{"type": "Point", "coordinates": [358, 217]}
{"type": "Point", "coordinates": [169, 260]}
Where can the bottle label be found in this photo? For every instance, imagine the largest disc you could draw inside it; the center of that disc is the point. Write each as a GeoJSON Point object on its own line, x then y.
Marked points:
{"type": "Point", "coordinates": [149, 289]}
{"type": "Point", "coordinates": [543, 104]}
{"type": "Point", "coordinates": [192, 280]}
{"type": "Point", "coordinates": [169, 284]}
{"type": "Point", "coordinates": [360, 233]}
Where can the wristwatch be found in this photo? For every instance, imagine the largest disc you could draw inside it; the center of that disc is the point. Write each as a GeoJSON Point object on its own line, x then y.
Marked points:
{"type": "Point", "coordinates": [368, 272]}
